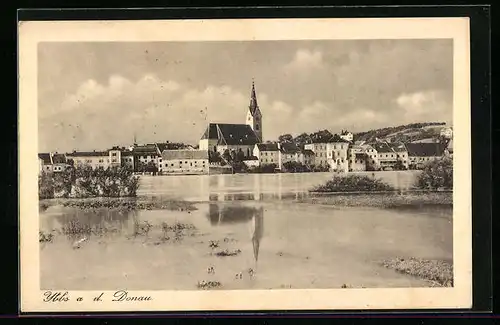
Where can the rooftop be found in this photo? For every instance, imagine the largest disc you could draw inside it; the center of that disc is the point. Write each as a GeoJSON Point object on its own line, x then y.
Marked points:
{"type": "Point", "coordinates": [425, 149]}
{"type": "Point", "coordinates": [88, 154]}
{"type": "Point", "coordinates": [287, 147]}
{"type": "Point", "coordinates": [231, 134]}
{"type": "Point", "coordinates": [268, 147]}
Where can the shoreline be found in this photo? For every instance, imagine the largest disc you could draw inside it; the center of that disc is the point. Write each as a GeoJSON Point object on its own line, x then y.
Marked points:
{"type": "Point", "coordinates": [387, 200]}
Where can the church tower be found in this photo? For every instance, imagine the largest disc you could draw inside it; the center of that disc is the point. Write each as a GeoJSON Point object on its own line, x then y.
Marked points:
{"type": "Point", "coordinates": [254, 116]}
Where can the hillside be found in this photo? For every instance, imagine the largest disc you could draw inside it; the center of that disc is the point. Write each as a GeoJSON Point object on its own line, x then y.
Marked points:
{"type": "Point", "coordinates": [404, 133]}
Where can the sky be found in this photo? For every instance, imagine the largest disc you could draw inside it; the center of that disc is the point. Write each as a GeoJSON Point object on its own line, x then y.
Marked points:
{"type": "Point", "coordinates": [95, 95]}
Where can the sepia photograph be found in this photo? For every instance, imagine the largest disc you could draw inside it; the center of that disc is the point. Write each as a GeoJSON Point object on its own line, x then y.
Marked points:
{"type": "Point", "coordinates": [215, 171]}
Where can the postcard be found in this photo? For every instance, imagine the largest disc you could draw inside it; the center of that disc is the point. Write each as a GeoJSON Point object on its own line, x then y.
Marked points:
{"type": "Point", "coordinates": [256, 164]}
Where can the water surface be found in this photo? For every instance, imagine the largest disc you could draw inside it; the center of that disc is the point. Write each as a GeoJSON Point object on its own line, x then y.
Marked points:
{"type": "Point", "coordinates": [287, 244]}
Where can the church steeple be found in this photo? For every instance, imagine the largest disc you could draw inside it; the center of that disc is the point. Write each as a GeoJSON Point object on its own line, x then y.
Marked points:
{"type": "Point", "coordinates": [253, 100]}
{"type": "Point", "coordinates": [254, 116]}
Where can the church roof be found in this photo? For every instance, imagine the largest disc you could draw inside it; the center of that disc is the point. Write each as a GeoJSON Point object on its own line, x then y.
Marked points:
{"type": "Point", "coordinates": [231, 134]}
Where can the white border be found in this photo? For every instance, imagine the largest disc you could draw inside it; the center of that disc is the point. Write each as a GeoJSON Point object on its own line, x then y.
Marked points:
{"type": "Point", "coordinates": [30, 33]}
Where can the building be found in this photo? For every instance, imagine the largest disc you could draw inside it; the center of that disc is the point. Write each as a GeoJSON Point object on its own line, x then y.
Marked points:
{"type": "Point", "coordinates": [346, 135]}
{"type": "Point", "coordinates": [251, 161]}
{"type": "Point", "coordinates": [219, 137]}
{"type": "Point", "coordinates": [357, 158]}
{"type": "Point", "coordinates": [449, 149]}
{"type": "Point", "coordinates": [254, 115]}
{"type": "Point", "coordinates": [338, 148]}
{"type": "Point", "coordinates": [45, 162]}
{"type": "Point", "coordinates": [446, 132]}
{"type": "Point", "coordinates": [146, 158]}
{"type": "Point", "coordinates": [96, 159]}
{"type": "Point", "coordinates": [127, 159]}
{"type": "Point", "coordinates": [387, 158]}
{"type": "Point", "coordinates": [306, 157]}
{"type": "Point", "coordinates": [401, 152]}
{"type": "Point", "coordinates": [331, 153]}
{"type": "Point", "coordinates": [289, 152]}
{"type": "Point", "coordinates": [185, 161]}
{"type": "Point", "coordinates": [267, 153]}
{"type": "Point", "coordinates": [371, 157]}
{"type": "Point", "coordinates": [421, 153]}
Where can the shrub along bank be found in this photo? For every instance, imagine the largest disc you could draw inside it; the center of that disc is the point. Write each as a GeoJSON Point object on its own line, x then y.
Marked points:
{"type": "Point", "coordinates": [353, 183]}
{"type": "Point", "coordinates": [87, 182]}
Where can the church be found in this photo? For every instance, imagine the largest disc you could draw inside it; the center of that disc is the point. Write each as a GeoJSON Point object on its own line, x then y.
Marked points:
{"type": "Point", "coordinates": [238, 137]}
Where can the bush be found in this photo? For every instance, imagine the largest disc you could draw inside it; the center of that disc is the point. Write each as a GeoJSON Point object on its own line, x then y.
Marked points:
{"type": "Point", "coordinates": [88, 182]}
{"type": "Point", "coordinates": [436, 174]}
{"type": "Point", "coordinates": [264, 169]}
{"type": "Point", "coordinates": [353, 183]}
{"type": "Point", "coordinates": [295, 167]}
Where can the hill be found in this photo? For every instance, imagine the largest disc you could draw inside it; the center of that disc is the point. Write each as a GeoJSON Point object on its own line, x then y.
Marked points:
{"type": "Point", "coordinates": [403, 133]}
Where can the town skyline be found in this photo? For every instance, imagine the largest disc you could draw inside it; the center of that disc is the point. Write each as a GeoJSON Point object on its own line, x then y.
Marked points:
{"type": "Point", "coordinates": [94, 96]}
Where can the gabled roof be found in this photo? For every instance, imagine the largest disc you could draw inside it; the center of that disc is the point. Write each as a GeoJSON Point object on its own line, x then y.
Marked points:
{"type": "Point", "coordinates": [184, 154]}
{"type": "Point", "coordinates": [287, 147]}
{"type": "Point", "coordinates": [268, 147]}
{"type": "Point", "coordinates": [398, 147]}
{"type": "Point", "coordinates": [88, 154]}
{"type": "Point", "coordinates": [45, 157]}
{"type": "Point", "coordinates": [231, 134]}
{"type": "Point", "coordinates": [126, 153]}
{"type": "Point", "coordinates": [147, 149]}
{"type": "Point", "coordinates": [425, 149]}
{"type": "Point", "coordinates": [382, 147]}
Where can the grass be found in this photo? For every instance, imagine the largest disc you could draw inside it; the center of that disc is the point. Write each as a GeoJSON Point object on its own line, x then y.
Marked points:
{"type": "Point", "coordinates": [126, 204]}
{"type": "Point", "coordinates": [385, 200]}
{"type": "Point", "coordinates": [438, 272]}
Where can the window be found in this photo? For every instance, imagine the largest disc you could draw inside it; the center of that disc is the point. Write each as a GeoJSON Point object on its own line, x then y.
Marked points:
{"type": "Point", "coordinates": [190, 164]}
{"type": "Point", "coordinates": [113, 154]}
{"type": "Point", "coordinates": [114, 160]}
{"type": "Point", "coordinates": [271, 160]}
{"type": "Point", "coordinates": [334, 147]}
{"type": "Point", "coordinates": [180, 162]}
{"type": "Point", "coordinates": [89, 161]}
{"type": "Point", "coordinates": [172, 165]}
{"type": "Point", "coordinates": [257, 127]}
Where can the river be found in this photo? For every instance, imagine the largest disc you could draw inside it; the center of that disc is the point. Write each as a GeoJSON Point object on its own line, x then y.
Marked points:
{"type": "Point", "coordinates": [286, 244]}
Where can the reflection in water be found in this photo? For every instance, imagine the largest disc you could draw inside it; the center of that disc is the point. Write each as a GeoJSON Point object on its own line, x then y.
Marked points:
{"type": "Point", "coordinates": [76, 222]}
{"type": "Point", "coordinates": [223, 214]}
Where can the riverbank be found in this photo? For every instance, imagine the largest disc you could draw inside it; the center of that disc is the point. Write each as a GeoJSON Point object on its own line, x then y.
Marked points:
{"type": "Point", "coordinates": [383, 200]}
{"type": "Point", "coordinates": [437, 272]}
{"type": "Point", "coordinates": [128, 204]}
{"type": "Point", "coordinates": [375, 200]}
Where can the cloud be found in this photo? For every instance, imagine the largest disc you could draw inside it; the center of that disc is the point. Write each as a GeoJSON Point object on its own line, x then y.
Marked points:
{"type": "Point", "coordinates": [153, 110]}
{"type": "Point", "coordinates": [305, 59]}
{"type": "Point", "coordinates": [431, 105]}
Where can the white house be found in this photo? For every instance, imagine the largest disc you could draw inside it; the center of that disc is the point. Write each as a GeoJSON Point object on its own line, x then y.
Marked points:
{"type": "Point", "coordinates": [346, 135]}
{"type": "Point", "coordinates": [267, 153]}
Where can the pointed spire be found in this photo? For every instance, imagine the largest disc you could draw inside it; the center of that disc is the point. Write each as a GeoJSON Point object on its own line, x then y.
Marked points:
{"type": "Point", "coordinates": [253, 99]}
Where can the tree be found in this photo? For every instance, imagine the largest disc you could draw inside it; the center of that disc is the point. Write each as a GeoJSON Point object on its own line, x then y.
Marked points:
{"type": "Point", "coordinates": [285, 138]}
{"type": "Point", "coordinates": [227, 155]}
{"type": "Point", "coordinates": [240, 156]}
